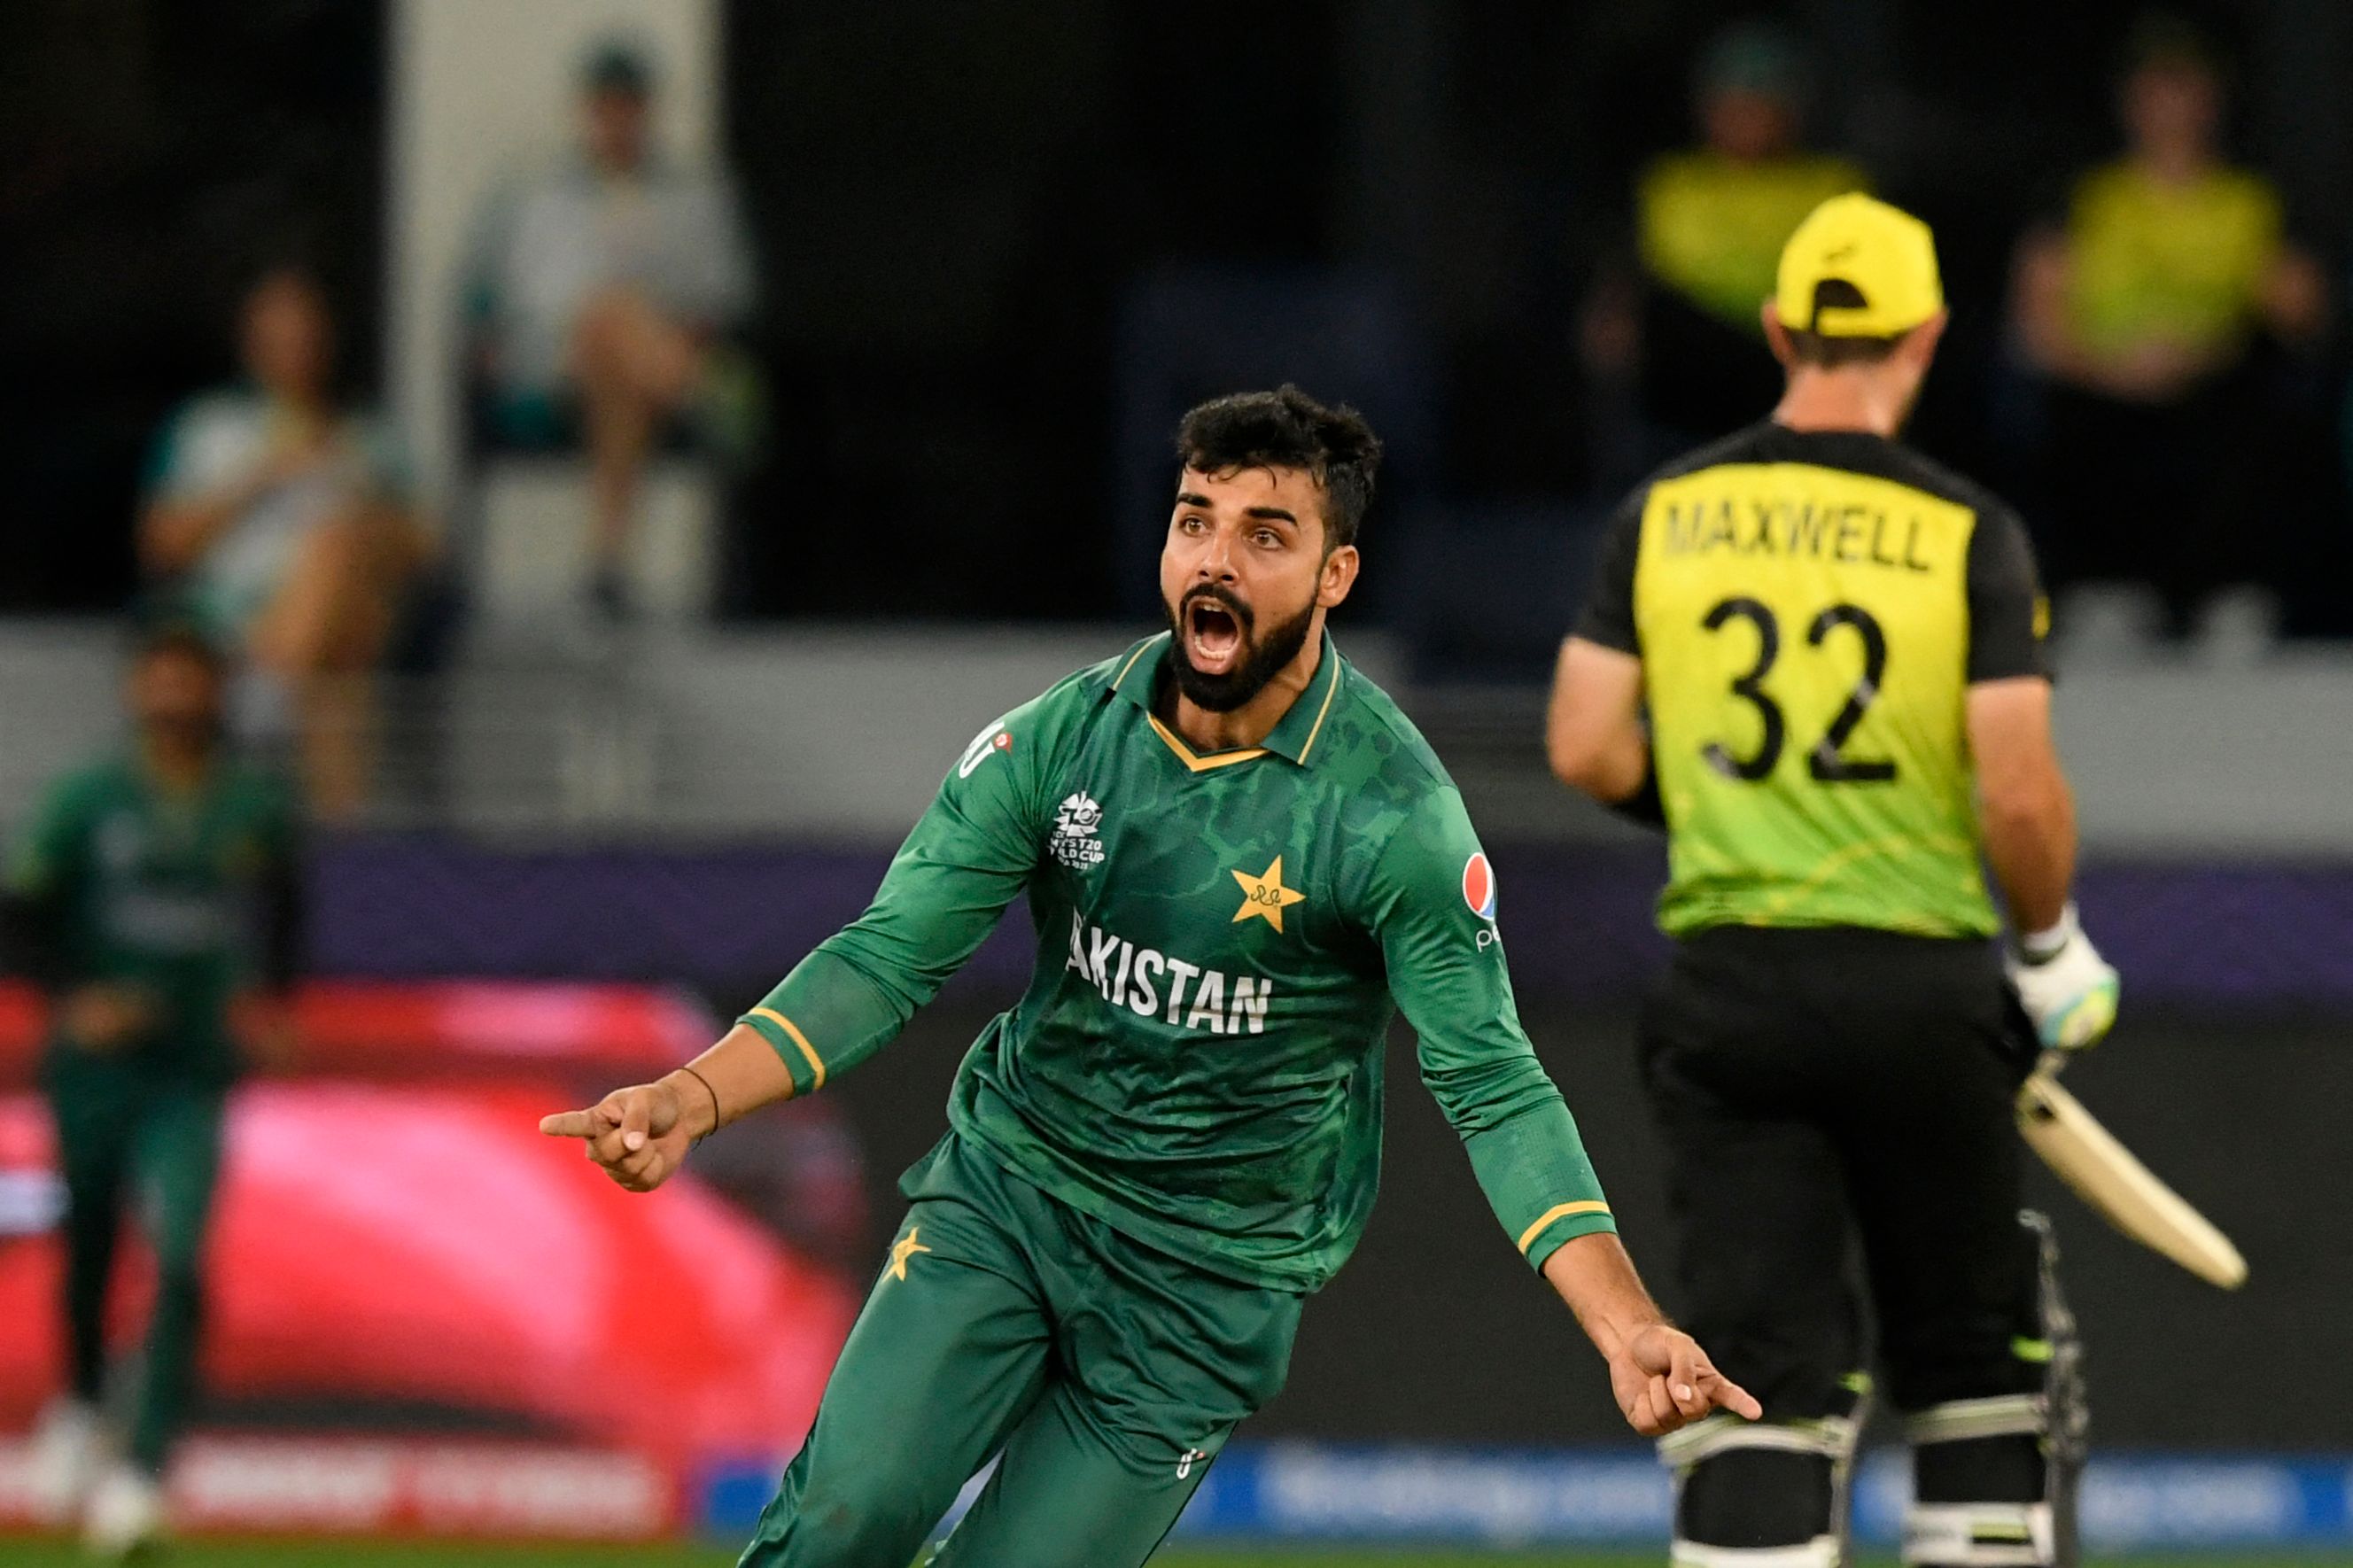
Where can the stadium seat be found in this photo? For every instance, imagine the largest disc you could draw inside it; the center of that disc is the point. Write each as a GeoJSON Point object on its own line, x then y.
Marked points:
{"type": "Point", "coordinates": [531, 546]}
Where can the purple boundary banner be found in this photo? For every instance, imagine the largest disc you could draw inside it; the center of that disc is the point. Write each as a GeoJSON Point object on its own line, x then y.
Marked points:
{"type": "Point", "coordinates": [1577, 920]}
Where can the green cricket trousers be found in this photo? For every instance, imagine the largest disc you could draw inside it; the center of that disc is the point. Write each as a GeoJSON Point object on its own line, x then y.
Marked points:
{"type": "Point", "coordinates": [132, 1135]}
{"type": "Point", "coordinates": [1104, 1375]}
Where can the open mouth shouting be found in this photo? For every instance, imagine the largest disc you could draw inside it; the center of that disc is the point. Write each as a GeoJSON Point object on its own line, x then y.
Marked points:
{"type": "Point", "coordinates": [1216, 630]}
{"type": "Point", "coordinates": [1222, 657]}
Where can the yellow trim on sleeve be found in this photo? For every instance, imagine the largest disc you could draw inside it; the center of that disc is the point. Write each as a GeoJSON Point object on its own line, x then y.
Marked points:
{"type": "Point", "coordinates": [1560, 1210]}
{"type": "Point", "coordinates": [1197, 763]}
{"type": "Point", "coordinates": [816, 1067]}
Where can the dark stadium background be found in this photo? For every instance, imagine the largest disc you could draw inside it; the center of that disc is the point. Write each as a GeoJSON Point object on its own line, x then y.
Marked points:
{"type": "Point", "coordinates": [950, 199]}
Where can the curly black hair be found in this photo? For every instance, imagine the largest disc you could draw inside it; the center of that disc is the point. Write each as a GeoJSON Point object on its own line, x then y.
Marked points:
{"type": "Point", "coordinates": [1286, 428]}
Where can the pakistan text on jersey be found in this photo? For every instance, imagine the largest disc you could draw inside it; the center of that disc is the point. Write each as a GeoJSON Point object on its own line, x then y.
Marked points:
{"type": "Point", "coordinates": [1852, 534]}
{"type": "Point", "coordinates": [1142, 979]}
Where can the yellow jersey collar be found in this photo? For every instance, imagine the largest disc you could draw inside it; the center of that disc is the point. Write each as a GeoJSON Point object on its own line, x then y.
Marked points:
{"type": "Point", "coordinates": [1295, 736]}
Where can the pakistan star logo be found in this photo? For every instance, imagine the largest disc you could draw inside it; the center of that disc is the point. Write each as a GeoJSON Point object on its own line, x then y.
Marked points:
{"type": "Point", "coordinates": [1265, 896]}
{"type": "Point", "coordinates": [905, 1247]}
{"type": "Point", "coordinates": [1076, 822]}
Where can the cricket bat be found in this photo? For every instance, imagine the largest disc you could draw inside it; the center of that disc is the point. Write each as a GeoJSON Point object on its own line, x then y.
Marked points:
{"type": "Point", "coordinates": [2124, 1191]}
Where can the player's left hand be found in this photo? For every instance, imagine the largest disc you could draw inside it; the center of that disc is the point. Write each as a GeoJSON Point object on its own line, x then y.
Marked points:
{"type": "Point", "coordinates": [1663, 1381]}
{"type": "Point", "coordinates": [2066, 987]}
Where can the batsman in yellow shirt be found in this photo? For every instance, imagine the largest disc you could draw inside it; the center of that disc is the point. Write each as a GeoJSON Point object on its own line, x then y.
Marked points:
{"type": "Point", "coordinates": [1816, 657]}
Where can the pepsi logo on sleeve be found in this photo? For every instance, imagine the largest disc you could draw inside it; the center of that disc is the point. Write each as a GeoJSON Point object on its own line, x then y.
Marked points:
{"type": "Point", "coordinates": [1479, 891]}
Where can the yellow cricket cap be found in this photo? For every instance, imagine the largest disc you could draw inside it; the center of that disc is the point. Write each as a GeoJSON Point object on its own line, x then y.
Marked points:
{"type": "Point", "coordinates": [1885, 253]}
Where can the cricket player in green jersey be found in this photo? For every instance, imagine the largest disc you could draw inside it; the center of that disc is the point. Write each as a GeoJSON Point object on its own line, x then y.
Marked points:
{"type": "Point", "coordinates": [1240, 859]}
{"type": "Point", "coordinates": [155, 898]}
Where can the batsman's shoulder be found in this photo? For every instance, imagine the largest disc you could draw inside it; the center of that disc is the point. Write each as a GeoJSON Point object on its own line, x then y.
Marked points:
{"type": "Point", "coordinates": [1916, 469]}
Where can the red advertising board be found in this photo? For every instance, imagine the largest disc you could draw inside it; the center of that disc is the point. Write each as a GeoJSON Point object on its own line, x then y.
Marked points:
{"type": "Point", "coordinates": [393, 1233]}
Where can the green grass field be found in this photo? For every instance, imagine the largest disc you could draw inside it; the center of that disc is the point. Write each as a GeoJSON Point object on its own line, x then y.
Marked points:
{"type": "Point", "coordinates": [30, 1553]}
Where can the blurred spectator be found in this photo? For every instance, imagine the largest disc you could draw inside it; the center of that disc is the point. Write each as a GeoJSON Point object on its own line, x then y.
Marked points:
{"type": "Point", "coordinates": [1709, 226]}
{"type": "Point", "coordinates": [2155, 309]}
{"type": "Point", "coordinates": [601, 294]}
{"type": "Point", "coordinates": [288, 523]}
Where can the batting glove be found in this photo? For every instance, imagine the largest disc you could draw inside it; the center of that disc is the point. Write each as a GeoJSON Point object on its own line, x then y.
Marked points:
{"type": "Point", "coordinates": [2066, 987]}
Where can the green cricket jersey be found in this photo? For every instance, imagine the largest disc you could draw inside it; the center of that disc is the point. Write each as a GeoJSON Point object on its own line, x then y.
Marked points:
{"type": "Point", "coordinates": [1811, 609]}
{"type": "Point", "coordinates": [1222, 940]}
{"type": "Point", "coordinates": [178, 895]}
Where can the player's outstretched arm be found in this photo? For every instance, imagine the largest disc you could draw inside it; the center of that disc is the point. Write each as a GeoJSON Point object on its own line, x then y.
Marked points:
{"type": "Point", "coordinates": [640, 1134]}
{"type": "Point", "coordinates": [1433, 902]}
{"type": "Point", "coordinates": [967, 858]}
{"type": "Point", "coordinates": [1661, 1375]}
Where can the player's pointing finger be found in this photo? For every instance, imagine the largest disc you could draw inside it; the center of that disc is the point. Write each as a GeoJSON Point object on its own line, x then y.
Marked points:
{"type": "Point", "coordinates": [1725, 1395]}
{"type": "Point", "coordinates": [569, 1124]}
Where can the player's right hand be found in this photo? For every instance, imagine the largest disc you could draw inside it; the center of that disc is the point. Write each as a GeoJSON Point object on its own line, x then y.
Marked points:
{"type": "Point", "coordinates": [637, 1134]}
{"type": "Point", "coordinates": [2066, 987]}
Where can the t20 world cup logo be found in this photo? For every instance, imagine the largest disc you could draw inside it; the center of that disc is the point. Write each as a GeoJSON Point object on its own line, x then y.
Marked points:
{"type": "Point", "coordinates": [1077, 821]}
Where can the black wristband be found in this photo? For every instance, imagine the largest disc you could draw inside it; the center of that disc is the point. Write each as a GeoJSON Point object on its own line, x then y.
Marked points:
{"type": "Point", "coordinates": [716, 1116]}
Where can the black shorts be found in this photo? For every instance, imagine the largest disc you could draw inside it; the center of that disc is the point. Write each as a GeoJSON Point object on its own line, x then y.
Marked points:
{"type": "Point", "coordinates": [1817, 1087]}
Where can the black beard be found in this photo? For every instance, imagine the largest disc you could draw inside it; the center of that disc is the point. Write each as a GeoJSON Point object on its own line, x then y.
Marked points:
{"type": "Point", "coordinates": [1265, 659]}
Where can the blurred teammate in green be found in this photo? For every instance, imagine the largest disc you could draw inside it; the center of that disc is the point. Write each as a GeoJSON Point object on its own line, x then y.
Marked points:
{"type": "Point", "coordinates": [1240, 859]}
{"type": "Point", "coordinates": [155, 898]}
